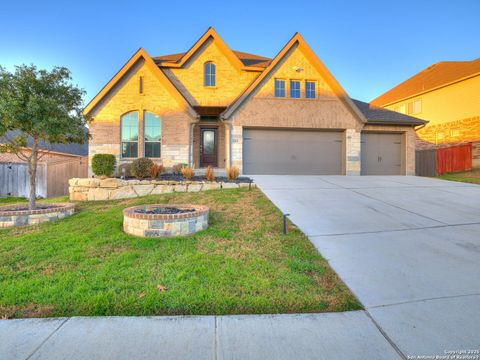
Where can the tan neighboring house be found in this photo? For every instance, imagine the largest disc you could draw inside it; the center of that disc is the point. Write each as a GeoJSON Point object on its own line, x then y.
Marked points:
{"type": "Point", "coordinates": [212, 106]}
{"type": "Point", "coordinates": [447, 94]}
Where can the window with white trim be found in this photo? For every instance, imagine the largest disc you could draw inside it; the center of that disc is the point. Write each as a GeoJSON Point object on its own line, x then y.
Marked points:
{"type": "Point", "coordinates": [279, 88]}
{"type": "Point", "coordinates": [310, 90]}
{"type": "Point", "coordinates": [210, 70]}
{"type": "Point", "coordinates": [129, 134]}
{"type": "Point", "coordinates": [295, 89]}
{"type": "Point", "coordinates": [153, 134]}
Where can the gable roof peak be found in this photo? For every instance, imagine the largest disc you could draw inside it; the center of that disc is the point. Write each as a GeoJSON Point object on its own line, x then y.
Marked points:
{"type": "Point", "coordinates": [140, 53]}
{"type": "Point", "coordinates": [311, 56]}
{"type": "Point", "coordinates": [178, 62]}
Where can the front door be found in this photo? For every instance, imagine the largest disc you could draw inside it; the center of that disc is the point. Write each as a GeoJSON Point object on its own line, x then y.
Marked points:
{"type": "Point", "coordinates": [208, 147]}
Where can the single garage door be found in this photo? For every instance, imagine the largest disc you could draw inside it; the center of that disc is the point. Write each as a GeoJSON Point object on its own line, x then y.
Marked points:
{"type": "Point", "coordinates": [381, 154]}
{"type": "Point", "coordinates": [286, 152]}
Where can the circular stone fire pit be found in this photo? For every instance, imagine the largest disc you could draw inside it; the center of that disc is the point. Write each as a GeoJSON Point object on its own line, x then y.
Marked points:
{"type": "Point", "coordinates": [164, 220]}
{"type": "Point", "coordinates": [19, 215]}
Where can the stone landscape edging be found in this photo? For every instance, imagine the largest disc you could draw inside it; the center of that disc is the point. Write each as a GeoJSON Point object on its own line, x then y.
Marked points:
{"type": "Point", "coordinates": [92, 189]}
{"type": "Point", "coordinates": [13, 217]}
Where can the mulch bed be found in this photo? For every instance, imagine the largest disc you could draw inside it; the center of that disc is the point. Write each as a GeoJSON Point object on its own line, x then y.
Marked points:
{"type": "Point", "coordinates": [25, 208]}
{"type": "Point", "coordinates": [164, 210]}
{"type": "Point", "coordinates": [179, 178]}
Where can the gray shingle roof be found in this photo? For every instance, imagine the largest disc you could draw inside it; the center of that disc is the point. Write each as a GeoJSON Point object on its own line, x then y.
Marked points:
{"type": "Point", "coordinates": [72, 148]}
{"type": "Point", "coordinates": [377, 115]}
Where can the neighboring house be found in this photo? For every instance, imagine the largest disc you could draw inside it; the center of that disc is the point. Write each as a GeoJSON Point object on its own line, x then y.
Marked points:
{"type": "Point", "coordinates": [58, 163]}
{"type": "Point", "coordinates": [447, 94]}
{"type": "Point", "coordinates": [212, 106]}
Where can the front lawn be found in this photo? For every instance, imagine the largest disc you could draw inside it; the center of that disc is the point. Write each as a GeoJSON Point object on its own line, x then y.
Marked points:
{"type": "Point", "coordinates": [86, 265]}
{"type": "Point", "coordinates": [472, 176]}
{"type": "Point", "coordinates": [11, 200]}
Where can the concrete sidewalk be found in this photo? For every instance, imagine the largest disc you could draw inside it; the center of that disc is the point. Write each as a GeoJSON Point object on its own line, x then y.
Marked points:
{"type": "Point", "coordinates": [349, 335]}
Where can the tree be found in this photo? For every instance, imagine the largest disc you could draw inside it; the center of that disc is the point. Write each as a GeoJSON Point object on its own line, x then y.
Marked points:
{"type": "Point", "coordinates": [39, 106]}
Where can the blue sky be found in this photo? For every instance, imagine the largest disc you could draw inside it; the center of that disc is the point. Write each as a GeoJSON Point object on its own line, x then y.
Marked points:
{"type": "Point", "coordinates": [369, 46]}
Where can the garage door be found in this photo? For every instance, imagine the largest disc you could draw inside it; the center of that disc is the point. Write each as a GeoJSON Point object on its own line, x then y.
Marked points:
{"type": "Point", "coordinates": [288, 152]}
{"type": "Point", "coordinates": [381, 154]}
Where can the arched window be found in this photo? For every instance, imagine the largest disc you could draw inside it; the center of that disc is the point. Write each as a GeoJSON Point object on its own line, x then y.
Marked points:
{"type": "Point", "coordinates": [153, 135]}
{"type": "Point", "coordinates": [210, 70]}
{"type": "Point", "coordinates": [129, 129]}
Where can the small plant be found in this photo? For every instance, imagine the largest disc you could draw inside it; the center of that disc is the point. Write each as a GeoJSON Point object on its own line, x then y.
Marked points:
{"type": "Point", "coordinates": [209, 174]}
{"type": "Point", "coordinates": [141, 168]}
{"type": "Point", "coordinates": [124, 170]}
{"type": "Point", "coordinates": [103, 164]}
{"type": "Point", "coordinates": [188, 172]}
{"type": "Point", "coordinates": [177, 168]}
{"type": "Point", "coordinates": [232, 173]}
{"type": "Point", "coordinates": [156, 170]}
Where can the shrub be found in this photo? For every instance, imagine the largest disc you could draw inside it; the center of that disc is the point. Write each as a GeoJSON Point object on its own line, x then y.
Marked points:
{"type": "Point", "coordinates": [156, 170]}
{"type": "Point", "coordinates": [125, 170]}
{"type": "Point", "coordinates": [232, 173]}
{"type": "Point", "coordinates": [103, 164]}
{"type": "Point", "coordinates": [141, 168]}
{"type": "Point", "coordinates": [188, 172]}
{"type": "Point", "coordinates": [177, 168]}
{"type": "Point", "coordinates": [209, 174]}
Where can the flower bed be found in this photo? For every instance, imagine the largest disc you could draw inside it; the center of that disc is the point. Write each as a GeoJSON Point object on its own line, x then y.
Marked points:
{"type": "Point", "coordinates": [114, 189]}
{"type": "Point", "coordinates": [164, 220]}
{"type": "Point", "coordinates": [19, 215]}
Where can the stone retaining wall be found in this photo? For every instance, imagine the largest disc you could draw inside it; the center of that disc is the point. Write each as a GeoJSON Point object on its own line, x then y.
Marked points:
{"type": "Point", "coordinates": [115, 189]}
{"type": "Point", "coordinates": [14, 217]}
{"type": "Point", "coordinates": [165, 225]}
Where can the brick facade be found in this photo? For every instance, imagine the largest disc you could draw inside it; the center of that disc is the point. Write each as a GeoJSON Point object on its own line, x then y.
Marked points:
{"type": "Point", "coordinates": [465, 130]}
{"type": "Point", "coordinates": [230, 80]}
{"type": "Point", "coordinates": [125, 97]}
{"type": "Point", "coordinates": [181, 130]}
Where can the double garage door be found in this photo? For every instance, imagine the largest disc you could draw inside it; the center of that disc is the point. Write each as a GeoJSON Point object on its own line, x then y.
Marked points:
{"type": "Point", "coordinates": [296, 152]}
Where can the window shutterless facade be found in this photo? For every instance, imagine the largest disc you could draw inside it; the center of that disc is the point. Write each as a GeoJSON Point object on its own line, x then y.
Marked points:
{"type": "Point", "coordinates": [153, 135]}
{"type": "Point", "coordinates": [129, 135]}
{"type": "Point", "coordinates": [295, 89]}
{"type": "Point", "coordinates": [310, 90]}
{"type": "Point", "coordinates": [417, 106]}
{"type": "Point", "coordinates": [210, 70]}
{"type": "Point", "coordinates": [279, 88]}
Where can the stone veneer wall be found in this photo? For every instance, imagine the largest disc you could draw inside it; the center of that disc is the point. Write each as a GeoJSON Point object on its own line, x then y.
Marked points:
{"type": "Point", "coordinates": [164, 225]}
{"type": "Point", "coordinates": [115, 189]}
{"type": "Point", "coordinates": [353, 149]}
{"type": "Point", "coordinates": [453, 132]}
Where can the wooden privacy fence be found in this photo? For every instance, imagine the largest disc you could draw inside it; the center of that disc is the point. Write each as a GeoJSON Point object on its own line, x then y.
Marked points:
{"type": "Point", "coordinates": [14, 180]}
{"type": "Point", "coordinates": [52, 177]}
{"type": "Point", "coordinates": [435, 162]}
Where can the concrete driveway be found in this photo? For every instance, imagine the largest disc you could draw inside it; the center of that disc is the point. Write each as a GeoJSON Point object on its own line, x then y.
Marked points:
{"type": "Point", "coordinates": [408, 247]}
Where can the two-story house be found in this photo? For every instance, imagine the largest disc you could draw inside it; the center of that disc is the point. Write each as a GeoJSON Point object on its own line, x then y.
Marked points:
{"type": "Point", "coordinates": [212, 106]}
{"type": "Point", "coordinates": [447, 94]}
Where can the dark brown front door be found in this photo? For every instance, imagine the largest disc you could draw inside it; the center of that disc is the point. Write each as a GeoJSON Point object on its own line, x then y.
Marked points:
{"type": "Point", "coordinates": [208, 147]}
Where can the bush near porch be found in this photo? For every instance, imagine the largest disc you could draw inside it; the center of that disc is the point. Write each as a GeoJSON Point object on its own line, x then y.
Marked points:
{"type": "Point", "coordinates": [86, 265]}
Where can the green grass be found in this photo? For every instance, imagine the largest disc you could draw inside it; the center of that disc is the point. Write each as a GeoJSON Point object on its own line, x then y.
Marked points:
{"type": "Point", "coordinates": [86, 265]}
{"type": "Point", "coordinates": [11, 200]}
{"type": "Point", "coordinates": [472, 176]}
